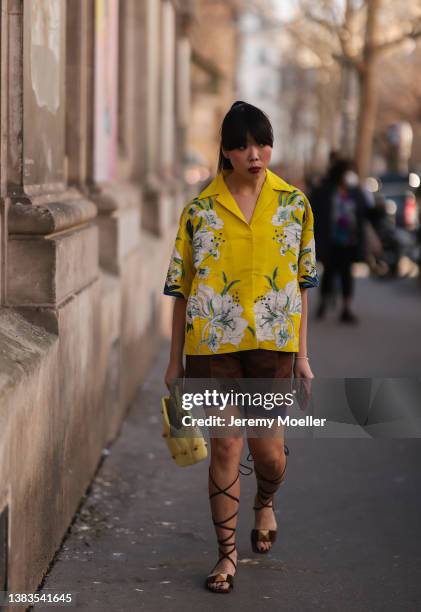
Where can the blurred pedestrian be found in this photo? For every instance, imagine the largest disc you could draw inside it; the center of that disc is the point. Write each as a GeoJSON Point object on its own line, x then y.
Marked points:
{"type": "Point", "coordinates": [339, 206]}
{"type": "Point", "coordinates": [241, 267]}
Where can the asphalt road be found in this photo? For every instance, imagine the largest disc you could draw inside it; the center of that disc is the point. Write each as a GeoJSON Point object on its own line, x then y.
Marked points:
{"type": "Point", "coordinates": [348, 513]}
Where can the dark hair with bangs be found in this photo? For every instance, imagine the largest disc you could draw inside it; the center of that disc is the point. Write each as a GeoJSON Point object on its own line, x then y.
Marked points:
{"type": "Point", "coordinates": [242, 119]}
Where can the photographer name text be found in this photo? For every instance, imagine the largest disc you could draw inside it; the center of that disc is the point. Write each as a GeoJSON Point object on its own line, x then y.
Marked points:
{"type": "Point", "coordinates": [219, 421]}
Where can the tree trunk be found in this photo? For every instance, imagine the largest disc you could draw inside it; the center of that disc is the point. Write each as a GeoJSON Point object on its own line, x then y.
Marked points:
{"type": "Point", "coordinates": [349, 111]}
{"type": "Point", "coordinates": [368, 92]}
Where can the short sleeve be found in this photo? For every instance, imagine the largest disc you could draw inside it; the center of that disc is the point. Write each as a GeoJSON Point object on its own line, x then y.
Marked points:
{"type": "Point", "coordinates": [181, 270]}
{"type": "Point", "coordinates": [307, 272]}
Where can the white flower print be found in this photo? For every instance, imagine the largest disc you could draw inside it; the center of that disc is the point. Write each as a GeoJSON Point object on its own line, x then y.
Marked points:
{"type": "Point", "coordinates": [206, 240]}
{"type": "Point", "coordinates": [204, 246]}
{"type": "Point", "coordinates": [224, 323]}
{"type": "Point", "coordinates": [309, 247]}
{"type": "Point", "coordinates": [309, 267]}
{"type": "Point", "coordinates": [281, 215]}
{"type": "Point", "coordinates": [289, 238]}
{"type": "Point", "coordinates": [175, 268]}
{"type": "Point", "coordinates": [288, 205]}
{"type": "Point", "coordinates": [307, 263]}
{"type": "Point", "coordinates": [203, 272]}
{"type": "Point", "coordinates": [175, 275]}
{"type": "Point", "coordinates": [272, 312]}
{"type": "Point", "coordinates": [210, 218]}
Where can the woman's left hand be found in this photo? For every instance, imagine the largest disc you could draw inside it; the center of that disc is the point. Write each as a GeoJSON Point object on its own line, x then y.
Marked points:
{"type": "Point", "coordinates": [302, 369]}
{"type": "Point", "coordinates": [303, 373]}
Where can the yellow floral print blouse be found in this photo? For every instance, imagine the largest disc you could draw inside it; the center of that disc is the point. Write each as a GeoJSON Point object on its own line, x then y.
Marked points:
{"type": "Point", "coordinates": [242, 280]}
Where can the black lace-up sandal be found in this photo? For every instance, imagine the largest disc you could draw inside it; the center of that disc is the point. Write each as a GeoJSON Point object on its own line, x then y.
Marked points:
{"type": "Point", "coordinates": [265, 499]}
{"type": "Point", "coordinates": [214, 580]}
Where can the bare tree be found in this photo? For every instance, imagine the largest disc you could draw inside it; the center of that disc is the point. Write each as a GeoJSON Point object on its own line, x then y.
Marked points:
{"type": "Point", "coordinates": [368, 88]}
{"type": "Point", "coordinates": [360, 32]}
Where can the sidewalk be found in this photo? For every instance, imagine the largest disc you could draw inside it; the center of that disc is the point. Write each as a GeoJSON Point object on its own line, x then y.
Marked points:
{"type": "Point", "coordinates": [348, 517]}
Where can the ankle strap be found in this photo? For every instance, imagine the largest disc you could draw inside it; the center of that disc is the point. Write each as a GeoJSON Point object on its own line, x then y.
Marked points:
{"type": "Point", "coordinates": [226, 555]}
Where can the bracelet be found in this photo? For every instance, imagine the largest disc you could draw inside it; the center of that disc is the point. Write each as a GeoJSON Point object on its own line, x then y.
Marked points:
{"type": "Point", "coordinates": [303, 358]}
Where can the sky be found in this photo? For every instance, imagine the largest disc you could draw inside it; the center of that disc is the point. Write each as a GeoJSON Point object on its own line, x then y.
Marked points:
{"type": "Point", "coordinates": [284, 8]}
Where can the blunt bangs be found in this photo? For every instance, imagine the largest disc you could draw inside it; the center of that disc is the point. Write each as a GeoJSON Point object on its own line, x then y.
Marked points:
{"type": "Point", "coordinates": [242, 120]}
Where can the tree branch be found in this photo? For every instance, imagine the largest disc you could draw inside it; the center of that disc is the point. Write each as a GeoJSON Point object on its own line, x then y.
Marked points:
{"type": "Point", "coordinates": [324, 23]}
{"type": "Point", "coordinates": [356, 62]}
{"type": "Point", "coordinates": [414, 34]}
{"type": "Point", "coordinates": [341, 31]}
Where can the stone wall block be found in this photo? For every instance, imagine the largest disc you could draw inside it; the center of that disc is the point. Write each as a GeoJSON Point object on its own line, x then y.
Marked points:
{"type": "Point", "coordinates": [162, 205]}
{"type": "Point", "coordinates": [45, 270]}
{"type": "Point", "coordinates": [119, 235]}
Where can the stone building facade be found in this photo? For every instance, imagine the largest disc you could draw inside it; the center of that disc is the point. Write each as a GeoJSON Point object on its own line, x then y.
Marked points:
{"type": "Point", "coordinates": [94, 111]}
{"type": "Point", "coordinates": [214, 42]}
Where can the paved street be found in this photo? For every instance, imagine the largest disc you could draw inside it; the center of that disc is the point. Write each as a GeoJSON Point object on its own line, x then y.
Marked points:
{"type": "Point", "coordinates": [348, 513]}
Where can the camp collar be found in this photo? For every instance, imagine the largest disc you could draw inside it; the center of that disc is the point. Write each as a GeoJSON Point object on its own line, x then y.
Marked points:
{"type": "Point", "coordinates": [219, 188]}
{"type": "Point", "coordinates": [218, 184]}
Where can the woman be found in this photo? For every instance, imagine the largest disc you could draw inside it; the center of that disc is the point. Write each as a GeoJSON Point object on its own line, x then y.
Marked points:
{"type": "Point", "coordinates": [242, 263]}
{"type": "Point", "coordinates": [340, 208]}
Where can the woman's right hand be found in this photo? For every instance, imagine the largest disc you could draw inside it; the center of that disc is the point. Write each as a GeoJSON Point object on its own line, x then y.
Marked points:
{"type": "Point", "coordinates": [174, 370]}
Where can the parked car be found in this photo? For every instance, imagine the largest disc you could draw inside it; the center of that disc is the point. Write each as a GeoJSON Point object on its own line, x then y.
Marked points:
{"type": "Point", "coordinates": [399, 192]}
{"type": "Point", "coordinates": [396, 217]}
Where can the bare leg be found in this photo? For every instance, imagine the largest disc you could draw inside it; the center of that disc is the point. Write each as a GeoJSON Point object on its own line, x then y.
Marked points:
{"type": "Point", "coordinates": [224, 492]}
{"type": "Point", "coordinates": [270, 462]}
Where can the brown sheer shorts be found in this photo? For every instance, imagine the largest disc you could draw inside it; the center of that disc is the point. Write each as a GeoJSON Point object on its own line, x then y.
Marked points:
{"type": "Point", "coordinates": [225, 369]}
{"type": "Point", "coordinates": [255, 363]}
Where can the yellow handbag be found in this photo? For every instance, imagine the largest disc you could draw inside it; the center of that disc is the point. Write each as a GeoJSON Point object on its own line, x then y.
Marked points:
{"type": "Point", "coordinates": [185, 449]}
